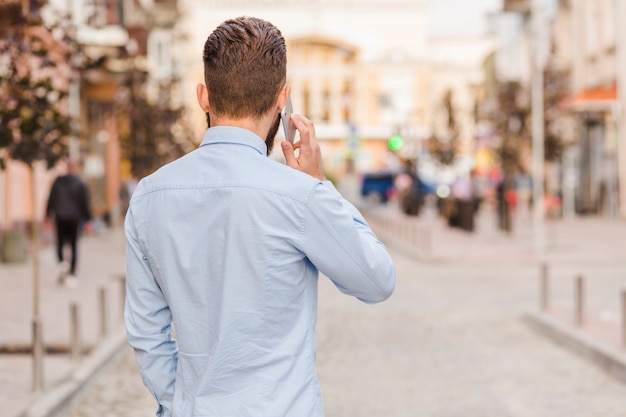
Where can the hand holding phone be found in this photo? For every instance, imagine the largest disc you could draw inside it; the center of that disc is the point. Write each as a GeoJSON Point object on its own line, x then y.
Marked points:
{"type": "Point", "coordinates": [288, 127]}
{"type": "Point", "coordinates": [309, 158]}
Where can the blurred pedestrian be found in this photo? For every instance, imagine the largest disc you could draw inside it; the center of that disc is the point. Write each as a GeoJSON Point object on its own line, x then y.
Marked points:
{"type": "Point", "coordinates": [126, 192]}
{"type": "Point", "coordinates": [68, 208]}
{"type": "Point", "coordinates": [225, 245]}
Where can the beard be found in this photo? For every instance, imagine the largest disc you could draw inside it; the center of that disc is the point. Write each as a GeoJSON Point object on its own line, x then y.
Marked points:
{"type": "Point", "coordinates": [269, 139]}
{"type": "Point", "coordinates": [271, 135]}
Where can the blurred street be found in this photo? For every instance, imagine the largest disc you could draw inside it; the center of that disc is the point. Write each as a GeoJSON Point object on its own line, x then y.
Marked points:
{"type": "Point", "coordinates": [420, 107]}
{"type": "Point", "coordinates": [100, 266]}
{"type": "Point", "coordinates": [451, 340]}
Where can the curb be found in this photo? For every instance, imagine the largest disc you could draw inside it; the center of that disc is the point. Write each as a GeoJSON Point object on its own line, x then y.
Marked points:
{"type": "Point", "coordinates": [59, 401]}
{"type": "Point", "coordinates": [611, 359]}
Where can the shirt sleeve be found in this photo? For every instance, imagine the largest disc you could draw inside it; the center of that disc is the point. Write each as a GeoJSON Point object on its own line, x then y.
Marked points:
{"type": "Point", "coordinates": [149, 324]}
{"type": "Point", "coordinates": [340, 243]}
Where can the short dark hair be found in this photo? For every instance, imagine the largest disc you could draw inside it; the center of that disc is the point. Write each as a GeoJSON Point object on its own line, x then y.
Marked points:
{"type": "Point", "coordinates": [245, 66]}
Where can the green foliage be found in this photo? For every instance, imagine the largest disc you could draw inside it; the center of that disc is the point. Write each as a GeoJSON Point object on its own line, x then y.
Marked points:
{"type": "Point", "coordinates": [510, 121]}
{"type": "Point", "coordinates": [153, 134]}
{"type": "Point", "coordinates": [555, 89]}
{"type": "Point", "coordinates": [34, 71]}
{"type": "Point", "coordinates": [443, 147]}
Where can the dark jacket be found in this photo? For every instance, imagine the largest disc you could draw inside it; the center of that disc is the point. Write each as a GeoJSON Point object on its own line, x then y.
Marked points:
{"type": "Point", "coordinates": [69, 199]}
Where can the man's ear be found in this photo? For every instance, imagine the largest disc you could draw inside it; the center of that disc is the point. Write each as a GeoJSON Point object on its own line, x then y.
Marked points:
{"type": "Point", "coordinates": [202, 94]}
{"type": "Point", "coordinates": [283, 95]}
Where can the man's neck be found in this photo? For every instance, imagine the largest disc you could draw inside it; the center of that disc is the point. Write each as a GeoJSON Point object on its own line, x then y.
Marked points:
{"type": "Point", "coordinates": [258, 126]}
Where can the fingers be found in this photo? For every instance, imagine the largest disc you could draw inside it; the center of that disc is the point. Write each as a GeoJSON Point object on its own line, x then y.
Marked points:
{"type": "Point", "coordinates": [309, 159]}
{"type": "Point", "coordinates": [288, 152]}
{"type": "Point", "coordinates": [305, 127]}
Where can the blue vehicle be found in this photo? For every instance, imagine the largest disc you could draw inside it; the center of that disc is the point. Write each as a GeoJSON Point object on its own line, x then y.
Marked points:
{"type": "Point", "coordinates": [378, 186]}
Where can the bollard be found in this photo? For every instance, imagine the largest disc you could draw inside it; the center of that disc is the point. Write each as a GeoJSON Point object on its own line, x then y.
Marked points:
{"type": "Point", "coordinates": [75, 344]}
{"type": "Point", "coordinates": [122, 294]}
{"type": "Point", "coordinates": [103, 312]}
{"type": "Point", "coordinates": [579, 302]}
{"type": "Point", "coordinates": [544, 296]}
{"type": "Point", "coordinates": [623, 318]}
{"type": "Point", "coordinates": [37, 355]}
{"type": "Point", "coordinates": [427, 241]}
{"type": "Point", "coordinates": [396, 228]}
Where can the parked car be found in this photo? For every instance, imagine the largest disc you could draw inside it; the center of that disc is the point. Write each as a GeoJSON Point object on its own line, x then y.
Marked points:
{"type": "Point", "coordinates": [377, 186]}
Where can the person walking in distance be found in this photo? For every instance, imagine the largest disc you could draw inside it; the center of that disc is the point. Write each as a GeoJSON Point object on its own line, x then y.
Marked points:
{"type": "Point", "coordinates": [226, 245]}
{"type": "Point", "coordinates": [68, 207]}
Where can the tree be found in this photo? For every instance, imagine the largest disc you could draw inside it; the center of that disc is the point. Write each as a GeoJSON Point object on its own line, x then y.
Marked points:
{"type": "Point", "coordinates": [442, 145]}
{"type": "Point", "coordinates": [34, 89]}
{"type": "Point", "coordinates": [34, 118]}
{"type": "Point", "coordinates": [153, 133]}
{"type": "Point", "coordinates": [555, 90]}
{"type": "Point", "coordinates": [510, 121]}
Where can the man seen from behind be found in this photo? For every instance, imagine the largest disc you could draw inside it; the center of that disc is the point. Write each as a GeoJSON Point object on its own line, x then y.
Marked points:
{"type": "Point", "coordinates": [225, 245]}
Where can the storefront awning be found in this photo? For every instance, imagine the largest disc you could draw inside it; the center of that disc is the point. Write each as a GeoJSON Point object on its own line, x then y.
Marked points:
{"type": "Point", "coordinates": [601, 98]}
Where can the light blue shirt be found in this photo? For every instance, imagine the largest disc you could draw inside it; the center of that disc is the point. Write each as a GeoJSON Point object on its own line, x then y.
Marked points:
{"type": "Point", "coordinates": [225, 245]}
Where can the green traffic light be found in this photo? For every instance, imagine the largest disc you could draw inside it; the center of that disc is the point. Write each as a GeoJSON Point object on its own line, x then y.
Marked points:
{"type": "Point", "coordinates": [395, 142]}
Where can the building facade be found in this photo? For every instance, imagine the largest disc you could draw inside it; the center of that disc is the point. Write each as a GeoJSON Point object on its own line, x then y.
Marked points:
{"type": "Point", "coordinates": [118, 39]}
{"type": "Point", "coordinates": [361, 70]}
{"type": "Point", "coordinates": [585, 38]}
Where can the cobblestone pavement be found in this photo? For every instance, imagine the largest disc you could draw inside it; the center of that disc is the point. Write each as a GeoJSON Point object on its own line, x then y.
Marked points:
{"type": "Point", "coordinates": [450, 342]}
{"type": "Point", "coordinates": [101, 264]}
{"type": "Point", "coordinates": [119, 393]}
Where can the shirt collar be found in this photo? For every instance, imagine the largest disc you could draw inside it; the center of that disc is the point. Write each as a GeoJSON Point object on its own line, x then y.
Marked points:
{"type": "Point", "coordinates": [234, 135]}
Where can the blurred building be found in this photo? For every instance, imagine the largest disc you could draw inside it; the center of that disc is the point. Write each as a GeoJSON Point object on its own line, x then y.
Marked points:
{"type": "Point", "coordinates": [585, 38]}
{"type": "Point", "coordinates": [120, 41]}
{"type": "Point", "coordinates": [586, 29]}
{"type": "Point", "coordinates": [362, 70]}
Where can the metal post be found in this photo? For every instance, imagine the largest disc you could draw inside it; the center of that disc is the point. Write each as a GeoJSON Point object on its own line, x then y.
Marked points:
{"type": "Point", "coordinates": [37, 356]}
{"type": "Point", "coordinates": [37, 348]}
{"type": "Point", "coordinates": [620, 107]}
{"type": "Point", "coordinates": [122, 294]}
{"type": "Point", "coordinates": [103, 312]}
{"type": "Point", "coordinates": [579, 302]}
{"type": "Point", "coordinates": [623, 297]}
{"type": "Point", "coordinates": [538, 128]}
{"type": "Point", "coordinates": [427, 241]}
{"type": "Point", "coordinates": [75, 342]}
{"type": "Point", "coordinates": [544, 287]}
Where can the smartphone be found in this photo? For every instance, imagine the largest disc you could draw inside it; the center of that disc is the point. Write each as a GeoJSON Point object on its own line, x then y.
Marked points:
{"type": "Point", "coordinates": [288, 127]}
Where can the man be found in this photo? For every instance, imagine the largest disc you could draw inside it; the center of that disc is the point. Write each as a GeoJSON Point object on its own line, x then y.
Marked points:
{"type": "Point", "coordinates": [68, 205]}
{"type": "Point", "coordinates": [225, 245]}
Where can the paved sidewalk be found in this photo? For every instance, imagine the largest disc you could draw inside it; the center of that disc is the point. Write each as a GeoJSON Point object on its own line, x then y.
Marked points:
{"type": "Point", "coordinates": [578, 242]}
{"type": "Point", "coordinates": [590, 247]}
{"type": "Point", "coordinates": [100, 269]}
{"type": "Point", "coordinates": [449, 342]}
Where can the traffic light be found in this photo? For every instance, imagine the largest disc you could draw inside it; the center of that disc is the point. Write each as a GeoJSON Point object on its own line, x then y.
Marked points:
{"type": "Point", "coordinates": [395, 142]}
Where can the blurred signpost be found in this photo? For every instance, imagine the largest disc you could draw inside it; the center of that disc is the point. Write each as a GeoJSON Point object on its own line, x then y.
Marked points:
{"type": "Point", "coordinates": [540, 54]}
{"type": "Point", "coordinates": [620, 46]}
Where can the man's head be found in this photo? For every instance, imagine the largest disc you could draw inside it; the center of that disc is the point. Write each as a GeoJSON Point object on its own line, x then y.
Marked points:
{"type": "Point", "coordinates": [245, 66]}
